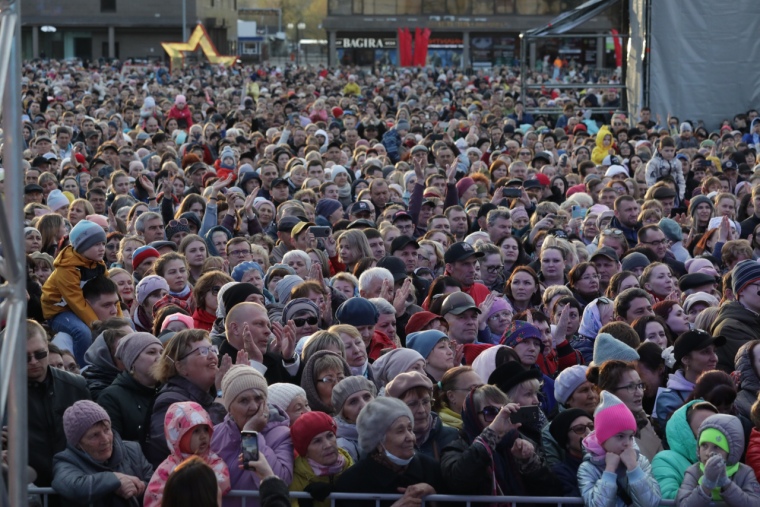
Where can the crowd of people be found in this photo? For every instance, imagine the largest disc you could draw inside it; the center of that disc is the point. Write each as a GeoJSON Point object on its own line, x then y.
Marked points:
{"type": "Point", "coordinates": [396, 281]}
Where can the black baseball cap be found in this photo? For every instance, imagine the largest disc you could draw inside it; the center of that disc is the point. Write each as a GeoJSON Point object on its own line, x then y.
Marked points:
{"type": "Point", "coordinates": [39, 160]}
{"type": "Point", "coordinates": [358, 207]}
{"type": "Point", "coordinates": [32, 188]}
{"type": "Point", "coordinates": [361, 222]}
{"type": "Point", "coordinates": [278, 181]}
{"type": "Point", "coordinates": [459, 252]}
{"type": "Point", "coordinates": [403, 241]}
{"type": "Point", "coordinates": [401, 215]}
{"type": "Point", "coordinates": [608, 252]}
{"type": "Point", "coordinates": [696, 339]}
{"type": "Point", "coordinates": [287, 223]}
{"type": "Point", "coordinates": [395, 265]}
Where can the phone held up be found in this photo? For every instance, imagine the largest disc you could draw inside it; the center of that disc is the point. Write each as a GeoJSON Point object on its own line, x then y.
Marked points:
{"type": "Point", "coordinates": [250, 447]}
{"type": "Point", "coordinates": [525, 415]}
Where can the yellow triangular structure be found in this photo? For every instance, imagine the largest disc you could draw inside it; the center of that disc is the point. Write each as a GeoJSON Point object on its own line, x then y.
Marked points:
{"type": "Point", "coordinates": [199, 37]}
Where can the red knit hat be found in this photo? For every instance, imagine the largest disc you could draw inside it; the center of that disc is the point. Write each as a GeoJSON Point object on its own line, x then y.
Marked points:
{"type": "Point", "coordinates": [473, 350]}
{"type": "Point", "coordinates": [337, 112]}
{"type": "Point", "coordinates": [420, 320]}
{"type": "Point", "coordinates": [307, 427]}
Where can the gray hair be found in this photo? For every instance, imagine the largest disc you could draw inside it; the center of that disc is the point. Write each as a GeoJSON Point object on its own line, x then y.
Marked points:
{"type": "Point", "coordinates": [372, 275]}
{"type": "Point", "coordinates": [300, 254]}
{"type": "Point", "coordinates": [496, 214]}
{"type": "Point", "coordinates": [148, 215]}
{"type": "Point", "coordinates": [383, 306]}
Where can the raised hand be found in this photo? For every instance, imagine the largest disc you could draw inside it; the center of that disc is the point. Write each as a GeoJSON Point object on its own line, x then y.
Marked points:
{"type": "Point", "coordinates": [399, 300]}
{"type": "Point", "coordinates": [386, 291]}
{"type": "Point", "coordinates": [501, 425]}
{"type": "Point", "coordinates": [287, 342]}
{"type": "Point", "coordinates": [451, 172]}
{"type": "Point", "coordinates": [560, 330]}
{"type": "Point", "coordinates": [484, 308]}
{"type": "Point", "coordinates": [250, 348]}
{"type": "Point", "coordinates": [522, 449]}
{"type": "Point", "coordinates": [224, 367]}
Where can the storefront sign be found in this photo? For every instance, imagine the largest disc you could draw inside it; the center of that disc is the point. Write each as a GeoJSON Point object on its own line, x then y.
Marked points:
{"type": "Point", "coordinates": [365, 43]}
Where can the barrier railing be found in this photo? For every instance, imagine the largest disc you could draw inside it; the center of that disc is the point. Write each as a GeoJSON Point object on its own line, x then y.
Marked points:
{"type": "Point", "coordinates": [377, 498]}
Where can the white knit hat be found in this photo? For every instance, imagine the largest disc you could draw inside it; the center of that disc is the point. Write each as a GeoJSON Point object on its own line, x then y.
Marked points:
{"type": "Point", "coordinates": [282, 394]}
{"type": "Point", "coordinates": [56, 200]}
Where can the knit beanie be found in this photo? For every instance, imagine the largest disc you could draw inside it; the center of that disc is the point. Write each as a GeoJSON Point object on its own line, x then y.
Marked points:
{"type": "Point", "coordinates": [568, 381]}
{"type": "Point", "coordinates": [284, 286]}
{"type": "Point", "coordinates": [239, 378]}
{"type": "Point", "coordinates": [56, 200]}
{"type": "Point", "coordinates": [308, 426]}
{"type": "Point", "coordinates": [178, 317]}
{"type": "Point", "coordinates": [521, 331]}
{"type": "Point", "coordinates": [560, 425]}
{"type": "Point", "coordinates": [375, 420]}
{"type": "Point", "coordinates": [608, 347]}
{"type": "Point", "coordinates": [612, 417]}
{"type": "Point", "coordinates": [464, 184]}
{"type": "Point", "coordinates": [634, 260]}
{"type": "Point", "coordinates": [326, 207]}
{"type": "Point", "coordinates": [671, 229]}
{"type": "Point", "coordinates": [176, 226]}
{"type": "Point", "coordinates": [725, 431]}
{"type": "Point", "coordinates": [356, 312]}
{"type": "Point", "coordinates": [499, 305]}
{"type": "Point", "coordinates": [696, 201]}
{"type": "Point", "coordinates": [131, 346]}
{"type": "Point", "coordinates": [390, 364]}
{"type": "Point", "coordinates": [418, 321]}
{"type": "Point", "coordinates": [227, 158]}
{"type": "Point", "coordinates": [193, 218]}
{"type": "Point", "coordinates": [236, 294]}
{"type": "Point", "coordinates": [298, 305]}
{"type": "Point", "coordinates": [98, 220]}
{"type": "Point", "coordinates": [149, 285]}
{"type": "Point", "coordinates": [700, 265]}
{"type": "Point", "coordinates": [424, 341]}
{"type": "Point", "coordinates": [86, 234]}
{"type": "Point", "coordinates": [141, 254]}
{"type": "Point", "coordinates": [80, 417]}
{"type": "Point", "coordinates": [348, 386]}
{"type": "Point", "coordinates": [406, 381]}
{"type": "Point", "coordinates": [745, 273]}
{"type": "Point", "coordinates": [244, 267]}
{"type": "Point", "coordinates": [282, 394]}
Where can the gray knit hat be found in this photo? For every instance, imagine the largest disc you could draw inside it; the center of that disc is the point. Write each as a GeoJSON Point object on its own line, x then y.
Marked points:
{"type": "Point", "coordinates": [284, 286]}
{"type": "Point", "coordinates": [80, 417]}
{"type": "Point", "coordinates": [349, 386]}
{"type": "Point", "coordinates": [568, 381]}
{"type": "Point", "coordinates": [86, 234]}
{"type": "Point", "coordinates": [390, 364]}
{"type": "Point", "coordinates": [298, 305]}
{"type": "Point", "coordinates": [131, 346]}
{"type": "Point", "coordinates": [375, 420]}
{"type": "Point", "coordinates": [608, 347]}
{"type": "Point", "coordinates": [238, 379]}
{"type": "Point", "coordinates": [283, 393]}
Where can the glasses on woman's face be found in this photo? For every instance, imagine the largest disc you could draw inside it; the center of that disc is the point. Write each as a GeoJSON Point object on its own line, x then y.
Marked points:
{"type": "Point", "coordinates": [492, 270]}
{"type": "Point", "coordinates": [581, 429]}
{"type": "Point", "coordinates": [301, 322]}
{"type": "Point", "coordinates": [588, 278]}
{"type": "Point", "coordinates": [330, 380]}
{"type": "Point", "coordinates": [112, 246]}
{"type": "Point", "coordinates": [202, 351]}
{"type": "Point", "coordinates": [490, 412]}
{"type": "Point", "coordinates": [632, 388]}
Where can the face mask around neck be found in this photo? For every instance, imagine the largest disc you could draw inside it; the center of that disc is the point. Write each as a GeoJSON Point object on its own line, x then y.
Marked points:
{"type": "Point", "coordinates": [396, 460]}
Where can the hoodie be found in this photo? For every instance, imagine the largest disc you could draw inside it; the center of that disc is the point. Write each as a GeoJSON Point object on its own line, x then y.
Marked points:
{"type": "Point", "coordinates": [749, 383]}
{"type": "Point", "coordinates": [671, 398]}
{"type": "Point", "coordinates": [669, 467]}
{"type": "Point", "coordinates": [600, 488]}
{"type": "Point", "coordinates": [180, 419]}
{"type": "Point", "coordinates": [101, 370]}
{"type": "Point", "coordinates": [600, 151]}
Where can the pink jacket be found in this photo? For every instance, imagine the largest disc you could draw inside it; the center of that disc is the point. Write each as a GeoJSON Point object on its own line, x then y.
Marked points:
{"type": "Point", "coordinates": [181, 418]}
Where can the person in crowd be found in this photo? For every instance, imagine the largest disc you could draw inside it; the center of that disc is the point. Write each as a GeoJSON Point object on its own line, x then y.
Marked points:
{"type": "Point", "coordinates": [436, 348]}
{"type": "Point", "coordinates": [450, 392]}
{"type": "Point", "coordinates": [97, 467]}
{"type": "Point", "coordinates": [747, 361]}
{"type": "Point", "coordinates": [102, 365]}
{"type": "Point", "coordinates": [568, 430]}
{"type": "Point", "coordinates": [322, 372]}
{"type": "Point", "coordinates": [349, 397]}
{"type": "Point", "coordinates": [289, 397]}
{"type": "Point", "coordinates": [194, 482]}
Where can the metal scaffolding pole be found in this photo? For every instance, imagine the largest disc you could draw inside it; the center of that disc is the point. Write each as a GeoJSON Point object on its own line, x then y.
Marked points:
{"type": "Point", "coordinates": [13, 392]}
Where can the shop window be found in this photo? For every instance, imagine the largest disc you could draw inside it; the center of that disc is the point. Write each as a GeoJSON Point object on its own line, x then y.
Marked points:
{"type": "Point", "coordinates": [383, 6]}
{"type": "Point", "coordinates": [107, 5]}
{"type": "Point", "coordinates": [483, 7]}
{"type": "Point", "coordinates": [505, 6]}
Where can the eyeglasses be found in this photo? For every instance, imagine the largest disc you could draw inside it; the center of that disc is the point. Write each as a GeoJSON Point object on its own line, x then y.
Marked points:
{"type": "Point", "coordinates": [524, 154]}
{"type": "Point", "coordinates": [215, 290]}
{"type": "Point", "coordinates": [490, 412]}
{"type": "Point", "coordinates": [203, 351]}
{"type": "Point", "coordinates": [588, 278]}
{"type": "Point", "coordinates": [239, 253]}
{"type": "Point", "coordinates": [425, 402]}
{"type": "Point", "coordinates": [581, 429]}
{"type": "Point", "coordinates": [493, 269]}
{"type": "Point", "coordinates": [181, 221]}
{"type": "Point", "coordinates": [632, 388]}
{"type": "Point", "coordinates": [613, 232]}
{"type": "Point", "coordinates": [468, 389]}
{"type": "Point", "coordinates": [329, 380]}
{"type": "Point", "coordinates": [39, 355]}
{"type": "Point", "coordinates": [312, 321]}
{"type": "Point", "coordinates": [112, 246]}
{"type": "Point", "coordinates": [661, 242]}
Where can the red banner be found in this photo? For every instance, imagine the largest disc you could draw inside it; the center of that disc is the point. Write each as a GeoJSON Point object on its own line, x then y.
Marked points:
{"type": "Point", "coordinates": [405, 47]}
{"type": "Point", "coordinates": [422, 37]}
{"type": "Point", "coordinates": [618, 48]}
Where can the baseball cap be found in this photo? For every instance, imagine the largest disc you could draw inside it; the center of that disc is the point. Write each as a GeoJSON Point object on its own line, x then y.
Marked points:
{"type": "Point", "coordinates": [608, 252]}
{"type": "Point", "coordinates": [403, 241]}
{"type": "Point", "coordinates": [300, 226]}
{"type": "Point", "coordinates": [278, 181]}
{"type": "Point", "coordinates": [458, 303]}
{"type": "Point", "coordinates": [395, 265]}
{"type": "Point", "coordinates": [459, 252]}
{"type": "Point", "coordinates": [287, 224]}
{"type": "Point", "coordinates": [696, 339]}
{"type": "Point", "coordinates": [358, 207]}
{"type": "Point", "coordinates": [699, 297]}
{"type": "Point", "coordinates": [399, 215]}
{"type": "Point", "coordinates": [361, 222]}
{"type": "Point", "coordinates": [33, 187]}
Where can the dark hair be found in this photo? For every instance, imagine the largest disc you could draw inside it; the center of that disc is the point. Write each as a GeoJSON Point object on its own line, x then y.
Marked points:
{"type": "Point", "coordinates": [650, 355]}
{"type": "Point", "coordinates": [640, 326]}
{"type": "Point", "coordinates": [623, 332]}
{"type": "Point", "coordinates": [667, 142]}
{"type": "Point", "coordinates": [535, 299]}
{"type": "Point", "coordinates": [536, 315]}
{"type": "Point", "coordinates": [438, 286]}
{"type": "Point", "coordinates": [568, 300]}
{"type": "Point", "coordinates": [624, 299]}
{"type": "Point", "coordinates": [716, 387]}
{"type": "Point", "coordinates": [99, 286]}
{"type": "Point", "coordinates": [607, 375]}
{"type": "Point", "coordinates": [363, 265]}
{"type": "Point", "coordinates": [193, 482]}
{"type": "Point", "coordinates": [614, 286]}
{"type": "Point", "coordinates": [578, 271]}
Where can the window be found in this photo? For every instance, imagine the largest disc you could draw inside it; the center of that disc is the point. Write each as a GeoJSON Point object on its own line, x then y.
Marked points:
{"type": "Point", "coordinates": [107, 5]}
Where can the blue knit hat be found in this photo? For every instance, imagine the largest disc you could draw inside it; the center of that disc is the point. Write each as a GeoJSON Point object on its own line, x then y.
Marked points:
{"type": "Point", "coordinates": [607, 347]}
{"type": "Point", "coordinates": [424, 341]}
{"type": "Point", "coordinates": [520, 332]}
{"type": "Point", "coordinates": [357, 312]}
{"type": "Point", "coordinates": [671, 229]}
{"type": "Point", "coordinates": [244, 267]}
{"type": "Point", "coordinates": [745, 273]}
{"type": "Point", "coordinates": [326, 207]}
{"type": "Point", "coordinates": [86, 234]}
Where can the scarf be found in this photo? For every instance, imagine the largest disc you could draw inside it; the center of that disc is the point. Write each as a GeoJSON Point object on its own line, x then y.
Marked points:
{"type": "Point", "coordinates": [322, 470]}
{"type": "Point", "coordinates": [142, 321]}
{"type": "Point", "coordinates": [730, 471]}
{"type": "Point", "coordinates": [422, 437]}
{"type": "Point", "coordinates": [183, 294]}
{"type": "Point", "coordinates": [360, 371]}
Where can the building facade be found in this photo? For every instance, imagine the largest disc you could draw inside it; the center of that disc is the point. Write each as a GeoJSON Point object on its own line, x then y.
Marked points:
{"type": "Point", "coordinates": [92, 29]}
{"type": "Point", "coordinates": [464, 33]}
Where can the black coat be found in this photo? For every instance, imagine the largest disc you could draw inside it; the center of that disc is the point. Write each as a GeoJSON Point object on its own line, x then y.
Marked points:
{"type": "Point", "coordinates": [48, 400]}
{"type": "Point", "coordinates": [276, 371]}
{"type": "Point", "coordinates": [129, 404]}
{"type": "Point", "coordinates": [371, 476]}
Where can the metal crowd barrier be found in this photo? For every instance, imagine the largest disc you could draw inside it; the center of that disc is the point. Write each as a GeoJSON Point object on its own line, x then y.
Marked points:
{"type": "Point", "coordinates": [377, 498]}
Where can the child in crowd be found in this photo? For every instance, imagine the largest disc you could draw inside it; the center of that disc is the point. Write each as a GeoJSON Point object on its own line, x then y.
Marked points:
{"type": "Point", "coordinates": [664, 163]}
{"type": "Point", "coordinates": [719, 477]}
{"type": "Point", "coordinates": [613, 471]}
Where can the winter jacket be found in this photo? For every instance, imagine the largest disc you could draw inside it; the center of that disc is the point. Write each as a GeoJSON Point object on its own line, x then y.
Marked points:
{"type": "Point", "coordinates": [440, 436]}
{"type": "Point", "coordinates": [566, 472]}
{"type": "Point", "coordinates": [183, 113]}
{"type": "Point", "coordinates": [600, 151]}
{"type": "Point", "coordinates": [669, 467]}
{"type": "Point", "coordinates": [274, 443]}
{"type": "Point", "coordinates": [743, 489]}
{"type": "Point", "coordinates": [46, 403]}
{"type": "Point", "coordinates": [101, 371]}
{"type": "Point", "coordinates": [348, 438]}
{"type": "Point", "coordinates": [600, 488]}
{"type": "Point", "coordinates": [658, 167]}
{"type": "Point", "coordinates": [83, 481]}
{"type": "Point", "coordinates": [176, 389]}
{"type": "Point", "coordinates": [181, 418]}
{"type": "Point", "coordinates": [128, 403]}
{"type": "Point", "coordinates": [671, 398]}
{"type": "Point", "coordinates": [373, 475]}
{"type": "Point", "coordinates": [63, 288]}
{"type": "Point", "coordinates": [751, 137]}
{"type": "Point", "coordinates": [303, 475]}
{"type": "Point", "coordinates": [753, 452]}
{"type": "Point", "coordinates": [749, 381]}
{"type": "Point", "coordinates": [738, 325]}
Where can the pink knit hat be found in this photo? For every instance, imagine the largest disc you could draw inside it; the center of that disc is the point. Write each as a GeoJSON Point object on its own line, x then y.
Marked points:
{"type": "Point", "coordinates": [80, 417]}
{"type": "Point", "coordinates": [612, 417]}
{"type": "Point", "coordinates": [464, 184]}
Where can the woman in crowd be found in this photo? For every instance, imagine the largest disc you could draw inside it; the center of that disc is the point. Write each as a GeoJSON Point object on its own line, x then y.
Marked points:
{"type": "Point", "coordinates": [205, 295]}
{"type": "Point", "coordinates": [450, 392]}
{"type": "Point", "coordinates": [652, 328]}
{"type": "Point", "coordinates": [349, 397]}
{"type": "Point", "coordinates": [322, 372]}
{"type": "Point", "coordinates": [355, 349]}
{"type": "Point", "coordinates": [173, 268]}
{"type": "Point", "coordinates": [657, 280]}
{"type": "Point", "coordinates": [523, 289]}
{"type": "Point", "coordinates": [194, 249]}
{"type": "Point", "coordinates": [676, 320]}
{"type": "Point", "coordinates": [149, 290]}
{"type": "Point", "coordinates": [747, 361]}
{"type": "Point", "coordinates": [436, 348]}
{"type": "Point", "coordinates": [652, 367]}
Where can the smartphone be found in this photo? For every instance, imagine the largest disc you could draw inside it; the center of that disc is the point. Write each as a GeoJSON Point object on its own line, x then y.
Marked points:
{"type": "Point", "coordinates": [319, 231]}
{"type": "Point", "coordinates": [512, 192]}
{"type": "Point", "coordinates": [249, 447]}
{"type": "Point", "coordinates": [578, 212]}
{"type": "Point", "coordinates": [525, 415]}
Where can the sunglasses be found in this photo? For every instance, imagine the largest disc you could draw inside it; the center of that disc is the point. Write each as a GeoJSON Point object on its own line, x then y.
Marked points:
{"type": "Point", "coordinates": [300, 322]}
{"type": "Point", "coordinates": [39, 355]}
{"type": "Point", "coordinates": [181, 221]}
{"type": "Point", "coordinates": [612, 232]}
{"type": "Point", "coordinates": [490, 412]}
{"type": "Point", "coordinates": [580, 429]}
